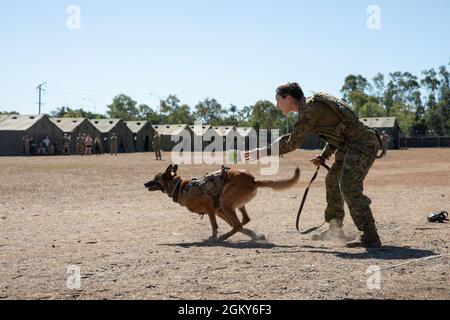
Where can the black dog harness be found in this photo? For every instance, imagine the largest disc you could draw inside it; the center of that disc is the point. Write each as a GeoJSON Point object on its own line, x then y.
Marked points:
{"type": "Point", "coordinates": [211, 184]}
{"type": "Point", "coordinates": [176, 190]}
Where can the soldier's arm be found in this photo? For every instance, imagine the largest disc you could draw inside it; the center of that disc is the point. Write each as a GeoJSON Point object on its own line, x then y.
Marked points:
{"type": "Point", "coordinates": [328, 151]}
{"type": "Point", "coordinates": [303, 126]}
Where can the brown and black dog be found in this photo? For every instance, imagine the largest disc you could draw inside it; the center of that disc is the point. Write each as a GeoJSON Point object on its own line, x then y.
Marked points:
{"type": "Point", "coordinates": [240, 187]}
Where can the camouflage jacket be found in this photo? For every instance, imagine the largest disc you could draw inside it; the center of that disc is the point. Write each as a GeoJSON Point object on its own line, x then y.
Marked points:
{"type": "Point", "coordinates": [330, 118]}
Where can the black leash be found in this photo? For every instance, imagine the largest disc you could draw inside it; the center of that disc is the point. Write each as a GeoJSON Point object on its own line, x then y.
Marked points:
{"type": "Point", "coordinates": [383, 150]}
{"type": "Point", "coordinates": [304, 200]}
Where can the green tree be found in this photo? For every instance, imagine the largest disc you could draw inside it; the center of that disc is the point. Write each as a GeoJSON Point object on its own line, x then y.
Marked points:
{"type": "Point", "coordinates": [67, 112]}
{"type": "Point", "coordinates": [8, 112]}
{"type": "Point", "coordinates": [147, 113]}
{"type": "Point", "coordinates": [403, 89]}
{"type": "Point", "coordinates": [379, 86]}
{"type": "Point", "coordinates": [265, 115]}
{"type": "Point", "coordinates": [372, 109]}
{"type": "Point", "coordinates": [232, 116]}
{"type": "Point", "coordinates": [244, 116]}
{"type": "Point", "coordinates": [354, 83]}
{"type": "Point", "coordinates": [366, 106]}
{"type": "Point", "coordinates": [209, 111]}
{"type": "Point", "coordinates": [181, 114]}
{"type": "Point", "coordinates": [431, 84]}
{"type": "Point", "coordinates": [123, 107]}
{"type": "Point", "coordinates": [405, 116]}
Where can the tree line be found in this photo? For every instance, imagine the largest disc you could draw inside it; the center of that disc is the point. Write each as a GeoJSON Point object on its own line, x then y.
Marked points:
{"type": "Point", "coordinates": [421, 104]}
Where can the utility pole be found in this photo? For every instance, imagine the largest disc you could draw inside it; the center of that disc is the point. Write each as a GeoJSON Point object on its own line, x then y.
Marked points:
{"type": "Point", "coordinates": [39, 87]}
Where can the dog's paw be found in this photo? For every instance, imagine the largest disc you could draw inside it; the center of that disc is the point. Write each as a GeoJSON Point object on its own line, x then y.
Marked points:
{"type": "Point", "coordinates": [222, 238]}
{"type": "Point", "coordinates": [212, 239]}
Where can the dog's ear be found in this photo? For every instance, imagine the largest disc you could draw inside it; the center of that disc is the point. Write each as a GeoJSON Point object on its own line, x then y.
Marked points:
{"type": "Point", "coordinates": [175, 168]}
{"type": "Point", "coordinates": [168, 170]}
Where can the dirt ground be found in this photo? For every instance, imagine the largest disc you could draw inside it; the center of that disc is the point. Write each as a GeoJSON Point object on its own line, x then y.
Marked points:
{"type": "Point", "coordinates": [94, 213]}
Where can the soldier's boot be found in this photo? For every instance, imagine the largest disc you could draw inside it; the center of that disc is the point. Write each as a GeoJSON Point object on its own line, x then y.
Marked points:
{"type": "Point", "coordinates": [333, 233]}
{"type": "Point", "coordinates": [369, 239]}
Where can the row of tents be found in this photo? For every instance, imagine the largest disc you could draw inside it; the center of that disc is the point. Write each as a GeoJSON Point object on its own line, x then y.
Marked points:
{"type": "Point", "coordinates": [132, 136]}
{"type": "Point", "coordinates": [137, 136]}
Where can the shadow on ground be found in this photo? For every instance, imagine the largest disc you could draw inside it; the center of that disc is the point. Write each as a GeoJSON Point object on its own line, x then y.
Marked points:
{"type": "Point", "coordinates": [384, 253]}
{"type": "Point", "coordinates": [233, 245]}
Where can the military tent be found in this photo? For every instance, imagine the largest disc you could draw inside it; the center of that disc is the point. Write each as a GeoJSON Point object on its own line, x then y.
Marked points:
{"type": "Point", "coordinates": [142, 135]}
{"type": "Point", "coordinates": [227, 135]}
{"type": "Point", "coordinates": [109, 126]}
{"type": "Point", "coordinates": [173, 134]}
{"type": "Point", "coordinates": [14, 127]}
{"type": "Point", "coordinates": [388, 124]}
{"type": "Point", "coordinates": [247, 138]}
{"type": "Point", "coordinates": [198, 141]}
{"type": "Point", "coordinates": [75, 126]}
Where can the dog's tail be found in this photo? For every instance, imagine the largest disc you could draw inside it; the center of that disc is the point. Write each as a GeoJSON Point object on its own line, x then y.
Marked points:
{"type": "Point", "coordinates": [279, 184]}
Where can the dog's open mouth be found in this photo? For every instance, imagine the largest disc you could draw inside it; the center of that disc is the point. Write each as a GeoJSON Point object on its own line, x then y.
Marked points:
{"type": "Point", "coordinates": [153, 186]}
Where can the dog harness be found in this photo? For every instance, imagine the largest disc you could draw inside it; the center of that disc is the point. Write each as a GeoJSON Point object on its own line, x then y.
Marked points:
{"type": "Point", "coordinates": [211, 184]}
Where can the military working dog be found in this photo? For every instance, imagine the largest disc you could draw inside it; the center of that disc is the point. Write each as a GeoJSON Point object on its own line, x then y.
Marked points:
{"type": "Point", "coordinates": [219, 193]}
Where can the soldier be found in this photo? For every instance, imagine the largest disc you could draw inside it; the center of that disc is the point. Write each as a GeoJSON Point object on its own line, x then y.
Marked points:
{"type": "Point", "coordinates": [157, 145]}
{"type": "Point", "coordinates": [113, 141]}
{"type": "Point", "coordinates": [83, 144]}
{"type": "Point", "coordinates": [385, 138]}
{"type": "Point", "coordinates": [46, 144]}
{"type": "Point", "coordinates": [78, 144]}
{"type": "Point", "coordinates": [356, 148]}
{"type": "Point", "coordinates": [66, 144]}
{"type": "Point", "coordinates": [88, 145]}
{"type": "Point", "coordinates": [97, 148]}
{"type": "Point", "coordinates": [27, 144]}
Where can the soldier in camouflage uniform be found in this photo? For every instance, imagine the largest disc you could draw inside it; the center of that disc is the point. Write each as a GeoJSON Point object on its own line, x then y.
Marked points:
{"type": "Point", "coordinates": [385, 138]}
{"type": "Point", "coordinates": [66, 144]}
{"type": "Point", "coordinates": [157, 145]}
{"type": "Point", "coordinates": [113, 141]}
{"type": "Point", "coordinates": [78, 144]}
{"type": "Point", "coordinates": [355, 147]}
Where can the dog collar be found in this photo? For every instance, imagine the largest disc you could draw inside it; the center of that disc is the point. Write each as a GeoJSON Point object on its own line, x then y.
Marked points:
{"type": "Point", "coordinates": [176, 190]}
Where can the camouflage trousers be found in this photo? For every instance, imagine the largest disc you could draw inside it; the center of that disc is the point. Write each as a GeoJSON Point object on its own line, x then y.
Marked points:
{"type": "Point", "coordinates": [344, 181]}
{"type": "Point", "coordinates": [157, 152]}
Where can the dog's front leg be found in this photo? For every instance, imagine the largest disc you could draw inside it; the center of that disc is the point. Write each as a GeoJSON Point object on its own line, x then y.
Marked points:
{"type": "Point", "coordinates": [214, 226]}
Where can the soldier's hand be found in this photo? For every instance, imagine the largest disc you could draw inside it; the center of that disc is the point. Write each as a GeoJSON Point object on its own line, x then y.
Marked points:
{"type": "Point", "coordinates": [252, 155]}
{"type": "Point", "coordinates": [318, 160]}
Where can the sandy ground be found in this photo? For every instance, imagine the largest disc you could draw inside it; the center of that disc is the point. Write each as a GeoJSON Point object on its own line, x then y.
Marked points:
{"type": "Point", "coordinates": [94, 213]}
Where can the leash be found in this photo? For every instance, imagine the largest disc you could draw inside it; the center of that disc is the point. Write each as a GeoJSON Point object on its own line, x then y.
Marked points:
{"type": "Point", "coordinates": [314, 177]}
{"type": "Point", "coordinates": [383, 150]}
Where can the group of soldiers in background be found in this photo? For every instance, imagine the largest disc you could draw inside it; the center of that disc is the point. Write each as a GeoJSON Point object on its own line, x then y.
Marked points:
{"type": "Point", "coordinates": [32, 147]}
{"type": "Point", "coordinates": [84, 145]}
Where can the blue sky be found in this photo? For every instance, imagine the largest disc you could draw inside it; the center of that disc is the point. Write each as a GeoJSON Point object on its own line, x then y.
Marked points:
{"type": "Point", "coordinates": [235, 51]}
